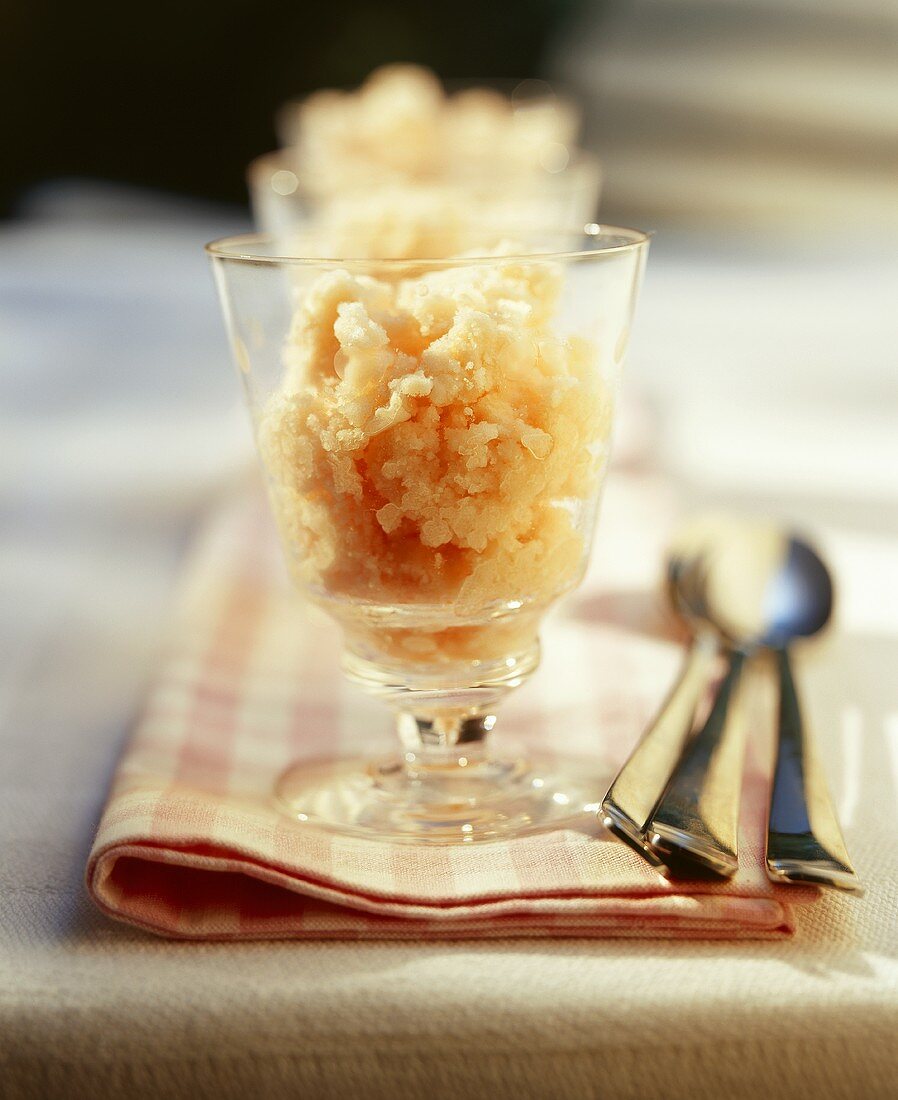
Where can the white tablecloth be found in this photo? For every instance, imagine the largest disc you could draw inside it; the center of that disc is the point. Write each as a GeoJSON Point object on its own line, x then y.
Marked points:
{"type": "Point", "coordinates": [769, 380]}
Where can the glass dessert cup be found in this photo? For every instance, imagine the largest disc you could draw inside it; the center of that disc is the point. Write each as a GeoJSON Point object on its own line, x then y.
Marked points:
{"type": "Point", "coordinates": [435, 434]}
{"type": "Point", "coordinates": [445, 214]}
{"type": "Point", "coordinates": [438, 170]}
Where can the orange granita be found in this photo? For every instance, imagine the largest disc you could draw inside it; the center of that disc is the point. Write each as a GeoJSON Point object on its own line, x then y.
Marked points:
{"type": "Point", "coordinates": [436, 441]}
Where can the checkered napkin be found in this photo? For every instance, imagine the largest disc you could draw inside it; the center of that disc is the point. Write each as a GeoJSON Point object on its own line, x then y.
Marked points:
{"type": "Point", "coordinates": [192, 845]}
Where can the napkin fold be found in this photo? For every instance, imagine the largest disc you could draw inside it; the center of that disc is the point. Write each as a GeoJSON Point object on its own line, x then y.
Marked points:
{"type": "Point", "coordinates": [192, 845]}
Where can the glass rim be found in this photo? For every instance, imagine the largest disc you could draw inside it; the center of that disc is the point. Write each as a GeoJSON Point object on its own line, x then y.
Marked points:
{"type": "Point", "coordinates": [579, 160]}
{"type": "Point", "coordinates": [247, 248]}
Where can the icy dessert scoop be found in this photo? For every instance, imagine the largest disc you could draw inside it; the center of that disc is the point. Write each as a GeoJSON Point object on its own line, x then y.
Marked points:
{"type": "Point", "coordinates": [400, 125]}
{"type": "Point", "coordinates": [434, 453]}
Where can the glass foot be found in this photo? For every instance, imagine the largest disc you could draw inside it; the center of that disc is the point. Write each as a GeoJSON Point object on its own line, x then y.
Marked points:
{"type": "Point", "coordinates": [458, 800]}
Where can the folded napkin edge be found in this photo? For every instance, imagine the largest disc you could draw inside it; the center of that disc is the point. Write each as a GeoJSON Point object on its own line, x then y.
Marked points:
{"type": "Point", "coordinates": [749, 911]}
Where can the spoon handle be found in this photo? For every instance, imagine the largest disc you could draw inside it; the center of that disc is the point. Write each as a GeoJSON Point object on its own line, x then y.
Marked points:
{"type": "Point", "coordinates": [696, 822]}
{"type": "Point", "coordinates": [635, 791]}
{"type": "Point", "coordinates": [804, 841]}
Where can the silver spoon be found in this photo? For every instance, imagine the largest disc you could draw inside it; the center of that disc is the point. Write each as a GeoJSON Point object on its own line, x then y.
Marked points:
{"type": "Point", "coordinates": [804, 841]}
{"type": "Point", "coordinates": [628, 804]}
{"type": "Point", "coordinates": [757, 587]}
{"type": "Point", "coordinates": [694, 825]}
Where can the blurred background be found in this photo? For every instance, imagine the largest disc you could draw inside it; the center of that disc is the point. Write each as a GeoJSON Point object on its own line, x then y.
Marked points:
{"type": "Point", "coordinates": [705, 111]}
{"type": "Point", "coordinates": [182, 95]}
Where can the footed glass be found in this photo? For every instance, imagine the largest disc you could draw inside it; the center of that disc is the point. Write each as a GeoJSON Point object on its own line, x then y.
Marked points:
{"type": "Point", "coordinates": [435, 434]}
{"type": "Point", "coordinates": [430, 165]}
{"type": "Point", "coordinates": [422, 217]}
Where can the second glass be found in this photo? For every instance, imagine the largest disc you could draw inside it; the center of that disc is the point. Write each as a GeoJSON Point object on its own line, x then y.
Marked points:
{"type": "Point", "coordinates": [417, 219]}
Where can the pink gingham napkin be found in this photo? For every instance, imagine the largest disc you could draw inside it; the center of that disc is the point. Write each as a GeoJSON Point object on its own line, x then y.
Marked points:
{"type": "Point", "coordinates": [192, 845]}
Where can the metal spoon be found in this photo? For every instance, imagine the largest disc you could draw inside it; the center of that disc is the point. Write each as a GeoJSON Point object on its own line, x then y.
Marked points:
{"type": "Point", "coordinates": [695, 823]}
{"type": "Point", "coordinates": [757, 587]}
{"type": "Point", "coordinates": [631, 798]}
{"type": "Point", "coordinates": [804, 841]}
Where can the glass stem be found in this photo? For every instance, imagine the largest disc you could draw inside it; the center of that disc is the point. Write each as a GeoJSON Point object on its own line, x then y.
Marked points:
{"type": "Point", "coordinates": [444, 739]}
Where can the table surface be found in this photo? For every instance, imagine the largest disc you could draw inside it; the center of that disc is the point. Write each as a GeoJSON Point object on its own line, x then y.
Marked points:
{"type": "Point", "coordinates": [766, 378]}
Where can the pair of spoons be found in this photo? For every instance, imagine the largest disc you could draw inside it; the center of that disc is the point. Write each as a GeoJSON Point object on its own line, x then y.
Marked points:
{"type": "Point", "coordinates": [742, 587]}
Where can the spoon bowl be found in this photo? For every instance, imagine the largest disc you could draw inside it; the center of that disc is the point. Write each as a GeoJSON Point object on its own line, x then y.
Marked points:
{"type": "Point", "coordinates": [755, 585]}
